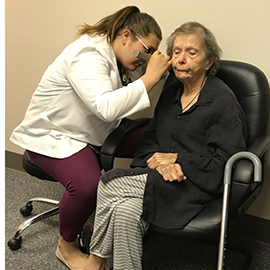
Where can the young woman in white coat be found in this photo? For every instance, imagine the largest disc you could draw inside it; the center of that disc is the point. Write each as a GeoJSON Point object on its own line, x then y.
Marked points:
{"type": "Point", "coordinates": [83, 95]}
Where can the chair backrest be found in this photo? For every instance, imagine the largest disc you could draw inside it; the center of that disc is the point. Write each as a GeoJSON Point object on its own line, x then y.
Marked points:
{"type": "Point", "coordinates": [251, 88]}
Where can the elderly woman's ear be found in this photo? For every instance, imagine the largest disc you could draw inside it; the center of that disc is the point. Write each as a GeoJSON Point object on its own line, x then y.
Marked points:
{"type": "Point", "coordinates": [209, 64]}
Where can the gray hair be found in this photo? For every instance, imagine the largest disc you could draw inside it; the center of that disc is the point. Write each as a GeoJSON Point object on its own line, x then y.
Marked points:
{"type": "Point", "coordinates": [212, 49]}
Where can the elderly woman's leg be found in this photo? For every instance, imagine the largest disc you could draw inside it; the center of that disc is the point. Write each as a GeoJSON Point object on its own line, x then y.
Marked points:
{"type": "Point", "coordinates": [118, 228]}
{"type": "Point", "coordinates": [129, 230]}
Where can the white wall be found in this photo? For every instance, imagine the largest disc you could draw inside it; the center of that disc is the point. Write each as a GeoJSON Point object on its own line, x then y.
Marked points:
{"type": "Point", "coordinates": [38, 30]}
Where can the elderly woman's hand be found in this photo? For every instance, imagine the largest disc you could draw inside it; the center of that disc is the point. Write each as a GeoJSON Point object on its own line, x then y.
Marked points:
{"type": "Point", "coordinates": [172, 172]}
{"type": "Point", "coordinates": [159, 159]}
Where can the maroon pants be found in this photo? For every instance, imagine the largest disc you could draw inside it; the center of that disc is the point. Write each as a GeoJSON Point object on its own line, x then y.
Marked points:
{"type": "Point", "coordinates": [79, 174]}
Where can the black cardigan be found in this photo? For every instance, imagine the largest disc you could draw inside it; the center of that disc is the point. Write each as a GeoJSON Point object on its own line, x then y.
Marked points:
{"type": "Point", "coordinates": [204, 137]}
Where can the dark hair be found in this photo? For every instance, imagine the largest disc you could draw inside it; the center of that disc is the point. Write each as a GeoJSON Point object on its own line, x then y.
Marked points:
{"type": "Point", "coordinates": [212, 49]}
{"type": "Point", "coordinates": [129, 17]}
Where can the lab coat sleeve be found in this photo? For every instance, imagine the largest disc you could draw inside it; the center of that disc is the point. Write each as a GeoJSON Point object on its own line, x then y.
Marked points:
{"type": "Point", "coordinates": [97, 83]}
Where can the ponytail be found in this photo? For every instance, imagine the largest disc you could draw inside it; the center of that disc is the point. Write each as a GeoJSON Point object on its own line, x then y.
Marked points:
{"type": "Point", "coordinates": [129, 17]}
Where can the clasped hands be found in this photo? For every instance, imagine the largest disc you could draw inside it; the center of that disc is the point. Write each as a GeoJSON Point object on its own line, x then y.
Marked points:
{"type": "Point", "coordinates": [165, 164]}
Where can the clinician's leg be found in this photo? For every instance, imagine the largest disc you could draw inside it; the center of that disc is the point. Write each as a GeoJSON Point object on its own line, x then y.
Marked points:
{"type": "Point", "coordinates": [79, 174]}
{"type": "Point", "coordinates": [118, 228]}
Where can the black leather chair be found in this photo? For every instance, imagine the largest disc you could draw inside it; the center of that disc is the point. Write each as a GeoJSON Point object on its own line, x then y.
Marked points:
{"type": "Point", "coordinates": [31, 168]}
{"type": "Point", "coordinates": [252, 91]}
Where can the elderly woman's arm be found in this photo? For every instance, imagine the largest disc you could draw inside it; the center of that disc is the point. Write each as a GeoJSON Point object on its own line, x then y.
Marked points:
{"type": "Point", "coordinates": [205, 170]}
{"type": "Point", "coordinates": [147, 146]}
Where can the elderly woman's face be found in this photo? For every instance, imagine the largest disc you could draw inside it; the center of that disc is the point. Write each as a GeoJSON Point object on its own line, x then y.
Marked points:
{"type": "Point", "coordinates": [189, 59]}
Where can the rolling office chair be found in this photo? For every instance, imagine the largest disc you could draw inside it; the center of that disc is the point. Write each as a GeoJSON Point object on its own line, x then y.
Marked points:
{"type": "Point", "coordinates": [241, 188]}
{"type": "Point", "coordinates": [31, 168]}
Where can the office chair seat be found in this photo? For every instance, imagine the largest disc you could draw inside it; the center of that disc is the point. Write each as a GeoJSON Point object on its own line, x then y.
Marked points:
{"type": "Point", "coordinates": [204, 226]}
{"type": "Point", "coordinates": [31, 168]}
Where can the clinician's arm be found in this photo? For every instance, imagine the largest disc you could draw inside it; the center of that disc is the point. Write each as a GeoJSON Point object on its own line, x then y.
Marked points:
{"type": "Point", "coordinates": [90, 76]}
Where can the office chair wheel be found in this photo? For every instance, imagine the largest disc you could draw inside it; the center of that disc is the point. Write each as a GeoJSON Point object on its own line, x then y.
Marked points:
{"type": "Point", "coordinates": [82, 242]}
{"type": "Point", "coordinates": [15, 243]}
{"type": "Point", "coordinates": [26, 210]}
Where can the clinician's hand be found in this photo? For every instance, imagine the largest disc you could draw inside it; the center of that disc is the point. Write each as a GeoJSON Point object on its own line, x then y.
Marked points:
{"type": "Point", "coordinates": [172, 172]}
{"type": "Point", "coordinates": [157, 66]}
{"type": "Point", "coordinates": [159, 159]}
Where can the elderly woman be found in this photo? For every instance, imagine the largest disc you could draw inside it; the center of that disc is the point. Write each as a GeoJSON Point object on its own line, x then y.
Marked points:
{"type": "Point", "coordinates": [178, 166]}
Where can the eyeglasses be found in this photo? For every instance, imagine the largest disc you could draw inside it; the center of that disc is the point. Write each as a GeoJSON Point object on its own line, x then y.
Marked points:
{"type": "Point", "coordinates": [148, 50]}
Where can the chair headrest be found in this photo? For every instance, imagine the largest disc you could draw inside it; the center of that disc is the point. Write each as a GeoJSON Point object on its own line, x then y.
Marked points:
{"type": "Point", "coordinates": [251, 89]}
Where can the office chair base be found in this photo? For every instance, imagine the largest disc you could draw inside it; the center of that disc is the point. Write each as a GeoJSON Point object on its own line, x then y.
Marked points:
{"type": "Point", "coordinates": [28, 208]}
{"type": "Point", "coordinates": [15, 242]}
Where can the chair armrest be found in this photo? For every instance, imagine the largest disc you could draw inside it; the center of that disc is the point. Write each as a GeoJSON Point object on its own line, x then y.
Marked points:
{"type": "Point", "coordinates": [244, 169]}
{"type": "Point", "coordinates": [260, 146]}
{"type": "Point", "coordinates": [244, 190]}
{"type": "Point", "coordinates": [109, 149]}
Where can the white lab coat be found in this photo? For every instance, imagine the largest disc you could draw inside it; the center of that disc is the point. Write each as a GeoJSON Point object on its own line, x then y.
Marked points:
{"type": "Point", "coordinates": [79, 100]}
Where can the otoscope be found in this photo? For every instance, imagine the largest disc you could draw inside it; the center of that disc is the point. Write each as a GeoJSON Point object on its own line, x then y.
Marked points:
{"type": "Point", "coordinates": [142, 55]}
{"type": "Point", "coordinates": [146, 56]}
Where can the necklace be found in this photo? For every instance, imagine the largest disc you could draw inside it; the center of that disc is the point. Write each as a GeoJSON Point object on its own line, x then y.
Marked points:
{"type": "Point", "coordinates": [191, 101]}
{"type": "Point", "coordinates": [195, 96]}
{"type": "Point", "coordinates": [124, 76]}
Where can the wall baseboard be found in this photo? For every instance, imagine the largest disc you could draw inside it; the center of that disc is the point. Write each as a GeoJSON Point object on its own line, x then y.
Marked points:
{"type": "Point", "coordinates": [247, 226]}
{"type": "Point", "coordinates": [13, 161]}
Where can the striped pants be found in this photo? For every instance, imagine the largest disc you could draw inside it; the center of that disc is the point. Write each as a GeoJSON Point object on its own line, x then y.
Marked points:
{"type": "Point", "coordinates": [118, 228]}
